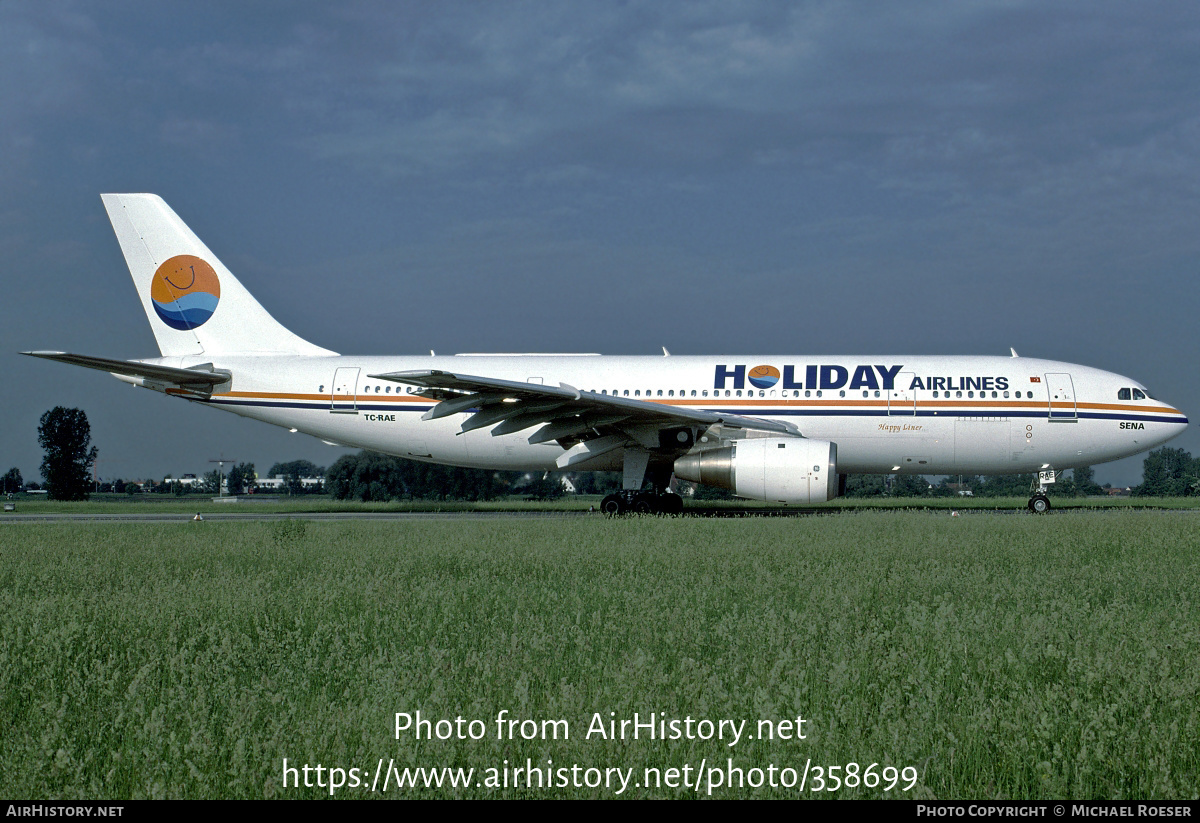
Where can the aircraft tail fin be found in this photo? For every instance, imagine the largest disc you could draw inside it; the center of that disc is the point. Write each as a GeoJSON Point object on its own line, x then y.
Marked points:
{"type": "Point", "coordinates": [193, 302]}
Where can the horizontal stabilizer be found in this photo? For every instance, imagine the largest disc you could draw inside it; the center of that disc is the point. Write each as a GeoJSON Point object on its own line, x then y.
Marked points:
{"type": "Point", "coordinates": [197, 377]}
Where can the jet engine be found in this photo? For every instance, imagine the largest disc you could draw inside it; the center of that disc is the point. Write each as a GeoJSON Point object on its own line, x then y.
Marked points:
{"type": "Point", "coordinates": [779, 469]}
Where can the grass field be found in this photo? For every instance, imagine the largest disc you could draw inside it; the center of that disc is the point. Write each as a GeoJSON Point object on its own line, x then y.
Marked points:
{"type": "Point", "coordinates": [144, 504]}
{"type": "Point", "coordinates": [999, 656]}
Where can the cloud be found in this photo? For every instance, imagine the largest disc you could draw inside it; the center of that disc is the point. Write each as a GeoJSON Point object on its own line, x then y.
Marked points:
{"type": "Point", "coordinates": [1010, 163]}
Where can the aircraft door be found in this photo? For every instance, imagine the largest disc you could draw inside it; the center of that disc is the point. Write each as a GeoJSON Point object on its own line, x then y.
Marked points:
{"type": "Point", "coordinates": [1060, 393]}
{"type": "Point", "coordinates": [344, 397]}
{"type": "Point", "coordinates": [902, 399]}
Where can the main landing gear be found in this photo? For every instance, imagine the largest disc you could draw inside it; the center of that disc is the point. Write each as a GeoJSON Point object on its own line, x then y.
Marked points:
{"type": "Point", "coordinates": [638, 502]}
{"type": "Point", "coordinates": [631, 500]}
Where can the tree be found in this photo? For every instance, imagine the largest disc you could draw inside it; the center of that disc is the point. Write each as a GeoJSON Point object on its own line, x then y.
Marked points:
{"type": "Point", "coordinates": [300, 468]}
{"type": "Point", "coordinates": [241, 478]}
{"type": "Point", "coordinates": [1003, 485]}
{"type": "Point", "coordinates": [547, 487]}
{"type": "Point", "coordinates": [365, 476]}
{"type": "Point", "coordinates": [704, 491]}
{"type": "Point", "coordinates": [66, 437]}
{"type": "Point", "coordinates": [866, 485]}
{"type": "Point", "coordinates": [373, 476]}
{"type": "Point", "coordinates": [597, 482]}
{"type": "Point", "coordinates": [909, 485]}
{"type": "Point", "coordinates": [1167, 471]}
{"type": "Point", "coordinates": [12, 481]}
{"type": "Point", "coordinates": [211, 482]}
{"type": "Point", "coordinates": [1085, 481]}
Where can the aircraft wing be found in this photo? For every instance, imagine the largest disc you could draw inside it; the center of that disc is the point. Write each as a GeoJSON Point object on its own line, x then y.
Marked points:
{"type": "Point", "coordinates": [198, 378]}
{"type": "Point", "coordinates": [563, 412]}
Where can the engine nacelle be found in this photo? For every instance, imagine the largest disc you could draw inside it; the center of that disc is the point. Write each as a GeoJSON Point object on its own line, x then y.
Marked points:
{"type": "Point", "coordinates": [779, 469]}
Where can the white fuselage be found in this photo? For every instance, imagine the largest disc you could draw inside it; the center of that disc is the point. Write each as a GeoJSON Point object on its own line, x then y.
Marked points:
{"type": "Point", "coordinates": [914, 414]}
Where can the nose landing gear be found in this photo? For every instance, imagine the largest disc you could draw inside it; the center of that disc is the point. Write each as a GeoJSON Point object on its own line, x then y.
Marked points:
{"type": "Point", "coordinates": [1039, 503]}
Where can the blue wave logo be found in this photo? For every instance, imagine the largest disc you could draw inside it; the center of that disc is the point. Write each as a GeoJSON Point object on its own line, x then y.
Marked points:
{"type": "Point", "coordinates": [763, 377]}
{"type": "Point", "coordinates": [185, 292]}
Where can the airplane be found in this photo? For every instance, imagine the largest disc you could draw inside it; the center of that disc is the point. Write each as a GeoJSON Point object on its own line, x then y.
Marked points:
{"type": "Point", "coordinates": [781, 428]}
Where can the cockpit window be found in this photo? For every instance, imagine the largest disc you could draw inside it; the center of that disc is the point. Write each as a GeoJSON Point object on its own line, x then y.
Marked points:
{"type": "Point", "coordinates": [1123, 394]}
{"type": "Point", "coordinates": [1138, 395]}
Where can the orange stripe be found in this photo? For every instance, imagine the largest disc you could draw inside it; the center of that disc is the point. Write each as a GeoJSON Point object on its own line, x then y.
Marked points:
{"type": "Point", "coordinates": [709, 402]}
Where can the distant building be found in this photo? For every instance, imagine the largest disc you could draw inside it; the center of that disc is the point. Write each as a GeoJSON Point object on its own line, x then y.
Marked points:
{"type": "Point", "coordinates": [279, 482]}
{"type": "Point", "coordinates": [191, 481]}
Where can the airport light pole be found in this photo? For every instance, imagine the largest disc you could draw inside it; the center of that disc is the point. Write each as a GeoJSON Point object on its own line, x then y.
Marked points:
{"type": "Point", "coordinates": [221, 461]}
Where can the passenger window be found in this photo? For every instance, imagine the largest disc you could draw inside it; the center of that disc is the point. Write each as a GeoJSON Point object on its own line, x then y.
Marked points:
{"type": "Point", "coordinates": [705, 392]}
{"type": "Point", "coordinates": [958, 394]}
{"type": "Point", "coordinates": [626, 393]}
{"type": "Point", "coordinates": [1137, 395]}
{"type": "Point", "coordinates": [935, 394]}
{"type": "Point", "coordinates": [818, 392]}
{"type": "Point", "coordinates": [807, 394]}
{"type": "Point", "coordinates": [1123, 394]}
{"type": "Point", "coordinates": [670, 393]}
{"type": "Point", "coordinates": [1006, 394]}
{"type": "Point", "coordinates": [321, 387]}
{"type": "Point", "coordinates": [660, 392]}
{"type": "Point", "coordinates": [693, 392]}
{"type": "Point", "coordinates": [842, 393]}
{"type": "Point", "coordinates": [727, 393]}
{"type": "Point", "coordinates": [970, 394]}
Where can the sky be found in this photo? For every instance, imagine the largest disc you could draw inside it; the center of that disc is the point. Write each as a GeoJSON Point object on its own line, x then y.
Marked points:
{"type": "Point", "coordinates": [713, 177]}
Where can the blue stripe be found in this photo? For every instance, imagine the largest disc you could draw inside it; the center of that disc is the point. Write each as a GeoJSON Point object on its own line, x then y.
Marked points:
{"type": "Point", "coordinates": [759, 412]}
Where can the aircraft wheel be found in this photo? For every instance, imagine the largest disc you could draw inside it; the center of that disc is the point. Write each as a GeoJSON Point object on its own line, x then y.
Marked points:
{"type": "Point", "coordinates": [643, 505]}
{"type": "Point", "coordinates": [612, 505]}
{"type": "Point", "coordinates": [1039, 504]}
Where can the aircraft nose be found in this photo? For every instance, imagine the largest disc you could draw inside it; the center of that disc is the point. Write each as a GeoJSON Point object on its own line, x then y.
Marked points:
{"type": "Point", "coordinates": [1177, 424]}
